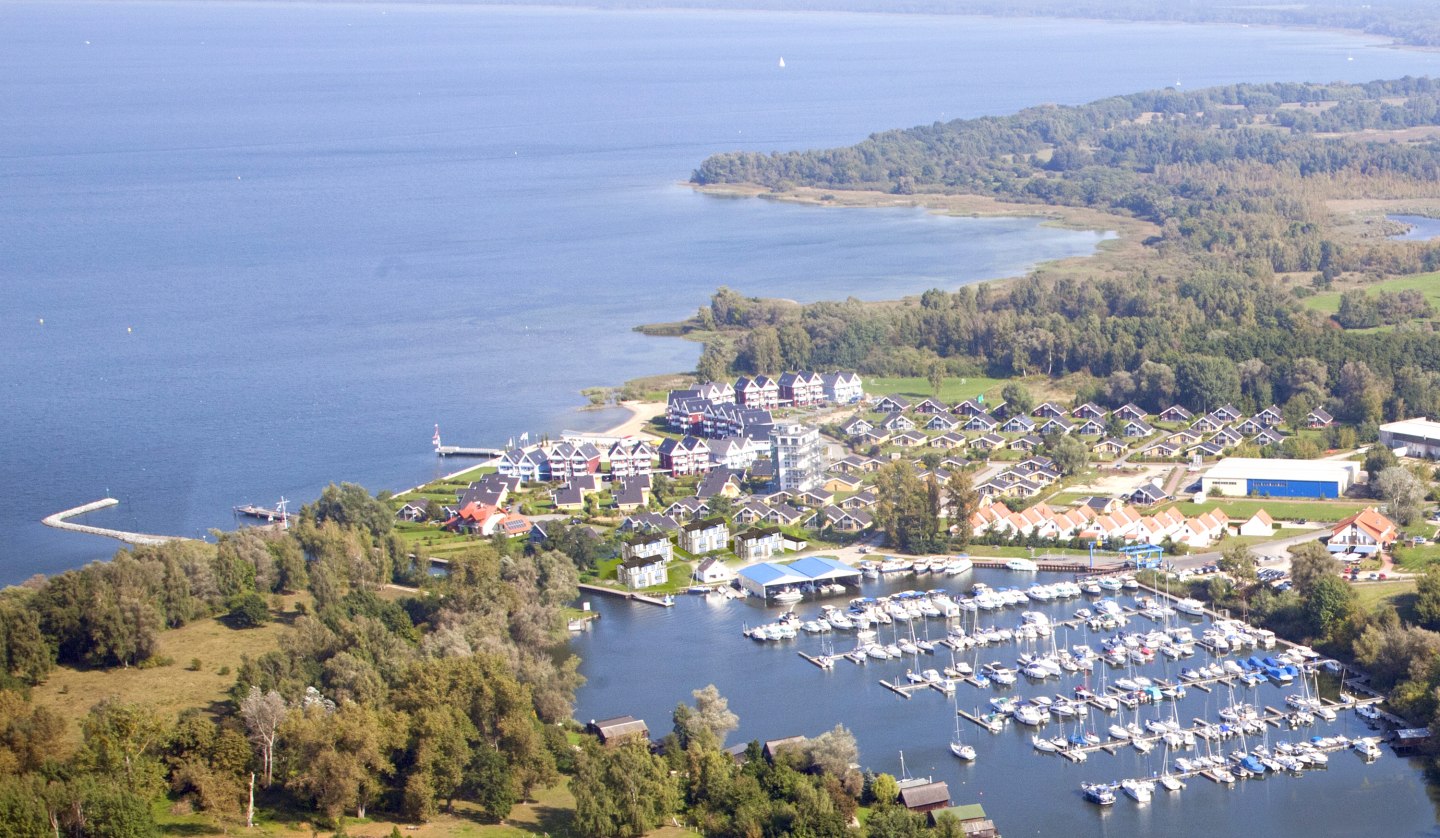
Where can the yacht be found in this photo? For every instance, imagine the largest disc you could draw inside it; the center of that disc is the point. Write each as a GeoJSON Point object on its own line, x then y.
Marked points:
{"type": "Point", "coordinates": [1100, 794]}
{"type": "Point", "coordinates": [1367, 747]}
{"type": "Point", "coordinates": [1024, 565]}
{"type": "Point", "coordinates": [1140, 790]}
{"type": "Point", "coordinates": [958, 565]}
{"type": "Point", "coordinates": [1190, 606]}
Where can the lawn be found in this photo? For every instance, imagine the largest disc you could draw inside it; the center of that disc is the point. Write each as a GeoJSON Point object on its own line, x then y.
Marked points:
{"type": "Point", "coordinates": [169, 689]}
{"type": "Point", "coordinates": [1416, 559]}
{"type": "Point", "coordinates": [1400, 593]}
{"type": "Point", "coordinates": [1329, 302]}
{"type": "Point", "coordinates": [952, 391]}
{"type": "Point", "coordinates": [1278, 509]}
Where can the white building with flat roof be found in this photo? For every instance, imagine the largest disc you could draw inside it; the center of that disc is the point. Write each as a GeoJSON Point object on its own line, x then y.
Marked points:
{"type": "Point", "coordinates": [1275, 478]}
{"type": "Point", "coordinates": [799, 457]}
{"type": "Point", "coordinates": [1419, 437]}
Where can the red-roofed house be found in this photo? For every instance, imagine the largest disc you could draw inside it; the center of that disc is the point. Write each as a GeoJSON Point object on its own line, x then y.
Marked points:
{"type": "Point", "coordinates": [1367, 531]}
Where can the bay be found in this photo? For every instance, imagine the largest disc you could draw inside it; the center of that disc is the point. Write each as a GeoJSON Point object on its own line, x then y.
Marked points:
{"type": "Point", "coordinates": [248, 249]}
{"type": "Point", "coordinates": [1422, 228]}
{"type": "Point", "coordinates": [642, 660]}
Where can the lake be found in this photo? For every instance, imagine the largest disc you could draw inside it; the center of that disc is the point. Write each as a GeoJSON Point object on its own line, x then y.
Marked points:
{"type": "Point", "coordinates": [642, 660]}
{"type": "Point", "coordinates": [249, 249]}
{"type": "Point", "coordinates": [1422, 228]}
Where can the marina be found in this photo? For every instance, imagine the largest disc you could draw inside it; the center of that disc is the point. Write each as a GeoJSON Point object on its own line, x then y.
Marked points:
{"type": "Point", "coordinates": [890, 705]}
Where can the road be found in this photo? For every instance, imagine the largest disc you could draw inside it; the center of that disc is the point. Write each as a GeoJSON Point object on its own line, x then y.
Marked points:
{"type": "Point", "coordinates": [1271, 553]}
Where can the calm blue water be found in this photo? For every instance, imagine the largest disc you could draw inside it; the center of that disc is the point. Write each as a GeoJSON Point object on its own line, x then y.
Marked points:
{"type": "Point", "coordinates": [271, 245]}
{"type": "Point", "coordinates": [1422, 228]}
{"type": "Point", "coordinates": [643, 660]}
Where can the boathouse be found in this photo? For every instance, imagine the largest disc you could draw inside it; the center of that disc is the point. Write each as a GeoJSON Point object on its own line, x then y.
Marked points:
{"type": "Point", "coordinates": [618, 729]}
{"type": "Point", "coordinates": [972, 818]}
{"type": "Point", "coordinates": [768, 578]}
{"type": "Point", "coordinates": [925, 797]}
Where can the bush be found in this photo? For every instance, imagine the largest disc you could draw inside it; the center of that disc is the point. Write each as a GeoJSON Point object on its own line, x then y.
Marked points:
{"type": "Point", "coordinates": [250, 610]}
{"type": "Point", "coordinates": [194, 665]}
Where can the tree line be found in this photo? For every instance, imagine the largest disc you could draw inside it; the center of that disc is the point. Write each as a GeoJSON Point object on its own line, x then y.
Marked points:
{"type": "Point", "coordinates": [460, 690]}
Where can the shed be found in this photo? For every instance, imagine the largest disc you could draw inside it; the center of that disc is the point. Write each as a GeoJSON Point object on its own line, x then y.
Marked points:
{"type": "Point", "coordinates": [973, 821]}
{"type": "Point", "coordinates": [925, 797]}
{"type": "Point", "coordinates": [618, 729]}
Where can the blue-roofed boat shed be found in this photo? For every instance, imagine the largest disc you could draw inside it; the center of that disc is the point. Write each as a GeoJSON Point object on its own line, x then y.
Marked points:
{"type": "Point", "coordinates": [767, 578]}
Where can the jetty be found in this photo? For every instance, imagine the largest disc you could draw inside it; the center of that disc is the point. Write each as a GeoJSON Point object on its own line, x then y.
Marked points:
{"type": "Point", "coordinates": [664, 602]}
{"type": "Point", "coordinates": [462, 451]}
{"type": "Point", "coordinates": [60, 522]}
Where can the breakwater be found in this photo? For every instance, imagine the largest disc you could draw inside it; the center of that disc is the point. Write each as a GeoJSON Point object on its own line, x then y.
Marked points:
{"type": "Point", "coordinates": [60, 521]}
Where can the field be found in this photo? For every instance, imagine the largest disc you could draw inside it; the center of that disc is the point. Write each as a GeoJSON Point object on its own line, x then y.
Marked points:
{"type": "Point", "coordinates": [1400, 593]}
{"type": "Point", "coordinates": [1416, 559]}
{"type": "Point", "coordinates": [953, 390]}
{"type": "Point", "coordinates": [1329, 302]}
{"type": "Point", "coordinates": [169, 689]}
{"type": "Point", "coordinates": [1279, 510]}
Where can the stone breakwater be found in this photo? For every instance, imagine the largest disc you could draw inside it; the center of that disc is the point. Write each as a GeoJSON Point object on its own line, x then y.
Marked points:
{"type": "Point", "coordinates": [60, 521]}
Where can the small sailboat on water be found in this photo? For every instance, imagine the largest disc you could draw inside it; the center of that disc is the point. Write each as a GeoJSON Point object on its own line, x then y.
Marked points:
{"type": "Point", "coordinates": [782, 62]}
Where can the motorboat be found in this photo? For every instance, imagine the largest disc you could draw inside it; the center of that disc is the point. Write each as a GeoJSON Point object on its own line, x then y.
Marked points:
{"type": "Point", "coordinates": [1190, 606]}
{"type": "Point", "coordinates": [1140, 790]}
{"type": "Point", "coordinates": [1101, 794]}
{"type": "Point", "coordinates": [1023, 565]}
{"type": "Point", "coordinates": [1367, 747]}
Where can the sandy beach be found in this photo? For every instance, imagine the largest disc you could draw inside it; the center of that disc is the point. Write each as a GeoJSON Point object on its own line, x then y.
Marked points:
{"type": "Point", "coordinates": [640, 415]}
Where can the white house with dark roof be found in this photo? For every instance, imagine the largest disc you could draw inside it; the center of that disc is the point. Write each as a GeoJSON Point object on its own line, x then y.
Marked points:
{"type": "Point", "coordinates": [942, 422]}
{"type": "Point", "coordinates": [1056, 426]}
{"type": "Point", "coordinates": [630, 458]}
{"type": "Point", "coordinates": [760, 392]}
{"type": "Point", "coordinates": [801, 389]}
{"type": "Point", "coordinates": [712, 571]}
{"type": "Point", "coordinates": [708, 535]}
{"type": "Point", "coordinates": [686, 455]}
{"type": "Point", "coordinates": [1089, 410]}
{"type": "Point", "coordinates": [1136, 428]}
{"type": "Point", "coordinates": [1129, 411]}
{"type": "Point", "coordinates": [948, 441]}
{"type": "Point", "coordinates": [528, 466]}
{"type": "Point", "coordinates": [1048, 410]}
{"type": "Point", "coordinates": [641, 573]}
{"type": "Point", "coordinates": [931, 406]}
{"type": "Point", "coordinates": [897, 423]}
{"type": "Point", "coordinates": [842, 387]}
{"type": "Point", "coordinates": [719, 392]}
{"type": "Point", "coordinates": [1092, 427]}
{"type": "Point", "coordinates": [650, 545]}
{"type": "Point", "coordinates": [981, 422]}
{"type": "Point", "coordinates": [857, 426]}
{"type": "Point", "coordinates": [1018, 424]}
{"type": "Point", "coordinates": [1319, 418]}
{"type": "Point", "coordinates": [758, 544]}
{"type": "Point", "coordinates": [891, 404]}
{"type": "Point", "coordinates": [1176, 413]}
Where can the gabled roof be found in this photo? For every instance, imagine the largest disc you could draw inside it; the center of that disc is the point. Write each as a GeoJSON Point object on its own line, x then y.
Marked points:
{"type": "Point", "coordinates": [929, 794]}
{"type": "Point", "coordinates": [1372, 523]}
{"type": "Point", "coordinates": [703, 524]}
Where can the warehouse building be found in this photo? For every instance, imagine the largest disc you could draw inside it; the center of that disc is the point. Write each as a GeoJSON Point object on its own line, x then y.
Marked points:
{"type": "Point", "coordinates": [1242, 477]}
{"type": "Point", "coordinates": [1419, 437]}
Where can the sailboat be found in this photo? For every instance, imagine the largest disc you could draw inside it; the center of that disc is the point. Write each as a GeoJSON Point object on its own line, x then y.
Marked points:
{"type": "Point", "coordinates": [782, 62]}
{"type": "Point", "coordinates": [957, 745]}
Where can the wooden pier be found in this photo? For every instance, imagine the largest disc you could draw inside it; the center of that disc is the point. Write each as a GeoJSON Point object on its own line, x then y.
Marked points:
{"type": "Point", "coordinates": [667, 602]}
{"type": "Point", "coordinates": [462, 451]}
{"type": "Point", "coordinates": [263, 513]}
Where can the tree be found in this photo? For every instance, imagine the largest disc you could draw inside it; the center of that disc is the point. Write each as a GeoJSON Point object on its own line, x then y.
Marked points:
{"type": "Point", "coordinates": [895, 822]}
{"type": "Point", "coordinates": [622, 791]}
{"type": "Point", "coordinates": [122, 742]}
{"type": "Point", "coordinates": [833, 751]}
{"type": "Point", "coordinates": [1206, 382]}
{"type": "Point", "coordinates": [961, 501]}
{"type": "Point", "coordinates": [1068, 452]}
{"type": "Point", "coordinates": [1427, 599]}
{"type": "Point", "coordinates": [1329, 605]}
{"type": "Point", "coordinates": [250, 611]}
{"type": "Point", "coordinates": [884, 789]}
{"type": "Point", "coordinates": [710, 716]}
{"type": "Point", "coordinates": [1377, 459]}
{"type": "Point", "coordinates": [935, 375]}
{"type": "Point", "coordinates": [350, 505]}
{"type": "Point", "coordinates": [1403, 492]}
{"type": "Point", "coordinates": [1310, 562]}
{"type": "Point", "coordinates": [264, 714]}
{"type": "Point", "coordinates": [715, 362]}
{"type": "Point", "coordinates": [340, 756]}
{"type": "Point", "coordinates": [1017, 398]}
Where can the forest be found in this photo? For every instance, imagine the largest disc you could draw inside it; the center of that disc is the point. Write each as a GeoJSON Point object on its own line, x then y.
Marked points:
{"type": "Point", "coordinates": [1236, 179]}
